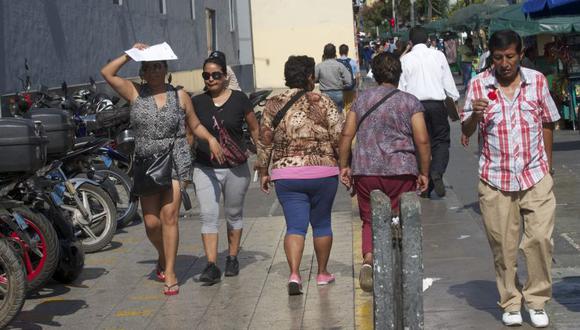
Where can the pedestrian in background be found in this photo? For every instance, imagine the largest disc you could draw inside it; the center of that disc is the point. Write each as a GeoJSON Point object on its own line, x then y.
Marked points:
{"type": "Point", "coordinates": [515, 114]}
{"type": "Point", "coordinates": [368, 56]}
{"type": "Point", "coordinates": [390, 136]}
{"type": "Point", "coordinates": [332, 76]}
{"type": "Point", "coordinates": [450, 50]}
{"type": "Point", "coordinates": [468, 55]}
{"type": "Point", "coordinates": [427, 76]}
{"type": "Point", "coordinates": [223, 111]}
{"type": "Point", "coordinates": [159, 115]}
{"type": "Point", "coordinates": [349, 92]}
{"type": "Point", "coordinates": [299, 140]}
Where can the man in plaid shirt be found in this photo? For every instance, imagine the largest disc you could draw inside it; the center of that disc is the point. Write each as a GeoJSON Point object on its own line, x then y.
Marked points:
{"type": "Point", "coordinates": [515, 114]}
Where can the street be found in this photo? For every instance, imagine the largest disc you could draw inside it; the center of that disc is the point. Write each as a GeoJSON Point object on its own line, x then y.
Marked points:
{"type": "Point", "coordinates": [117, 289]}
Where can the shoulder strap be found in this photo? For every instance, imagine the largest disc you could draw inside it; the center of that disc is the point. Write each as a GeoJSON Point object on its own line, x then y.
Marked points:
{"type": "Point", "coordinates": [280, 115]}
{"type": "Point", "coordinates": [176, 91]}
{"type": "Point", "coordinates": [375, 107]}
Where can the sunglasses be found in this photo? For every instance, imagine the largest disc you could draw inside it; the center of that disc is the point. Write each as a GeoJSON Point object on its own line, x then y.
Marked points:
{"type": "Point", "coordinates": [215, 75]}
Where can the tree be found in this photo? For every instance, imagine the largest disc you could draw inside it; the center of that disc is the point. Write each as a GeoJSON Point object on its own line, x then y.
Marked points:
{"type": "Point", "coordinates": [381, 11]}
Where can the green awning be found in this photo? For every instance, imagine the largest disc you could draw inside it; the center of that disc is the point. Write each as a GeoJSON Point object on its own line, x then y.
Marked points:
{"type": "Point", "coordinates": [439, 25]}
{"type": "Point", "coordinates": [475, 15]}
{"type": "Point", "coordinates": [513, 18]}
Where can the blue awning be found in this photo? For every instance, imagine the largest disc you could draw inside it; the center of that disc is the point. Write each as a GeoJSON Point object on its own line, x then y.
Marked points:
{"type": "Point", "coordinates": [546, 8]}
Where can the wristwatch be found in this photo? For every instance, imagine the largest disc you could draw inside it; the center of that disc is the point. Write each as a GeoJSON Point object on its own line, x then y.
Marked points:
{"type": "Point", "coordinates": [552, 171]}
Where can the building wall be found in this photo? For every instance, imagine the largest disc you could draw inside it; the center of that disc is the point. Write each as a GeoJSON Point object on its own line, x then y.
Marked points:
{"type": "Point", "coordinates": [71, 40]}
{"type": "Point", "coordinates": [299, 27]}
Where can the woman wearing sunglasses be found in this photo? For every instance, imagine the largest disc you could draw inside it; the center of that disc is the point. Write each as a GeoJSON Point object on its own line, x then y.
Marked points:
{"type": "Point", "coordinates": [223, 111]}
{"type": "Point", "coordinates": [157, 111]}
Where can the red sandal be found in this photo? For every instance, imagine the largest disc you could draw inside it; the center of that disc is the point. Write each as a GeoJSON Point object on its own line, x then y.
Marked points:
{"type": "Point", "coordinates": [170, 291]}
{"type": "Point", "coordinates": [159, 273]}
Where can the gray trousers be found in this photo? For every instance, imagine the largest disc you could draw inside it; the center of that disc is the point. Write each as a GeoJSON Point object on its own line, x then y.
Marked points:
{"type": "Point", "coordinates": [210, 184]}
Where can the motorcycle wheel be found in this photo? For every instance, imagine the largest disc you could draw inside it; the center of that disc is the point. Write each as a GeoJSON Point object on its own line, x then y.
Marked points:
{"type": "Point", "coordinates": [12, 284]}
{"type": "Point", "coordinates": [126, 208]}
{"type": "Point", "coordinates": [102, 220]}
{"type": "Point", "coordinates": [40, 260]}
{"type": "Point", "coordinates": [71, 262]}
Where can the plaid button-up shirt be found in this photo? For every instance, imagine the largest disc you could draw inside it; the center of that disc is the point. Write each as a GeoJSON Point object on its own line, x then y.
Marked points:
{"type": "Point", "coordinates": [512, 153]}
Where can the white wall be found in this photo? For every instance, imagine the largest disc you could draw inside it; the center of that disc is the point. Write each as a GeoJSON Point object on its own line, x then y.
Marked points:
{"type": "Point", "coordinates": [281, 28]}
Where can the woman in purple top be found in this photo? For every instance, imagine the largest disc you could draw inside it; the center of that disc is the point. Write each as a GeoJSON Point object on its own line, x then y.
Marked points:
{"type": "Point", "coordinates": [384, 156]}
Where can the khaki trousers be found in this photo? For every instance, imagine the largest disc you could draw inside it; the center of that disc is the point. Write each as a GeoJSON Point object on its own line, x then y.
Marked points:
{"type": "Point", "coordinates": [503, 212]}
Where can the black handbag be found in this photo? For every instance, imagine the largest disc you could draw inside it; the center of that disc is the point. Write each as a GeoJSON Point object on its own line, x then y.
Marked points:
{"type": "Point", "coordinates": [153, 174]}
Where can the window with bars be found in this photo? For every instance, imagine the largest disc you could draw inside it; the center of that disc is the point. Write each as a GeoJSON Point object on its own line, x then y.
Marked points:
{"type": "Point", "coordinates": [210, 25]}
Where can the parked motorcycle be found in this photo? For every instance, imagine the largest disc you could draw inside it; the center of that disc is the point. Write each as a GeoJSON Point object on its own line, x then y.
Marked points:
{"type": "Point", "coordinates": [91, 207]}
{"type": "Point", "coordinates": [104, 166]}
{"type": "Point", "coordinates": [37, 193]}
{"type": "Point", "coordinates": [12, 283]}
{"type": "Point", "coordinates": [31, 234]}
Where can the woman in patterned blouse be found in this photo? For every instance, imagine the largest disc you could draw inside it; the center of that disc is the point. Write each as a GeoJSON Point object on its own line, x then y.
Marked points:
{"type": "Point", "coordinates": [384, 156]}
{"type": "Point", "coordinates": [302, 151]}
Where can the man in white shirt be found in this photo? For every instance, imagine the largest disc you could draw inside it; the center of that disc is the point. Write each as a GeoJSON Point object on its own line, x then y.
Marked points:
{"type": "Point", "coordinates": [427, 76]}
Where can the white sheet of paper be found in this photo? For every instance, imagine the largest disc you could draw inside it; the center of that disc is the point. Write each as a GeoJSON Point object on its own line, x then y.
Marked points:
{"type": "Point", "coordinates": [159, 52]}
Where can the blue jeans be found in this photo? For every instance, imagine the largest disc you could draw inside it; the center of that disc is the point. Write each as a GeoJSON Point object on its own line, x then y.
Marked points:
{"type": "Point", "coordinates": [307, 201]}
{"type": "Point", "coordinates": [336, 96]}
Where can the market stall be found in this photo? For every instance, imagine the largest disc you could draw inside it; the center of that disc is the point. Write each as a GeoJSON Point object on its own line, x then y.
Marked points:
{"type": "Point", "coordinates": [557, 40]}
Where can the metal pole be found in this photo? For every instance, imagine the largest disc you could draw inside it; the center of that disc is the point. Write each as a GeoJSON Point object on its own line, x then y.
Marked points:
{"type": "Point", "coordinates": [383, 304]}
{"type": "Point", "coordinates": [394, 17]}
{"type": "Point", "coordinates": [412, 13]}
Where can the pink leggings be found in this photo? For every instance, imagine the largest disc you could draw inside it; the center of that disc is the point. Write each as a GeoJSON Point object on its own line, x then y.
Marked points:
{"type": "Point", "coordinates": [392, 186]}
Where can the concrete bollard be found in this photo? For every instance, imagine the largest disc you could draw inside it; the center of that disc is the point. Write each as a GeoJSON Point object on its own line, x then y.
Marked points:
{"type": "Point", "coordinates": [412, 258]}
{"type": "Point", "coordinates": [397, 264]}
{"type": "Point", "coordinates": [383, 304]}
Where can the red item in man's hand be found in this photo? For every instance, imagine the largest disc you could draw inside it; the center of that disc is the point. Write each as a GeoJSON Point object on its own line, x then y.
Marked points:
{"type": "Point", "coordinates": [492, 95]}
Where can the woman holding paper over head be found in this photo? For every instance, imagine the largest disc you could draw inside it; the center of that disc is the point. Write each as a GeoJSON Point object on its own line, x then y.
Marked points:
{"type": "Point", "coordinates": [160, 115]}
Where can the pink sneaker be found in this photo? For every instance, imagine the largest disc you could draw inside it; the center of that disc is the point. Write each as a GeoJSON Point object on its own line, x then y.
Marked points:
{"type": "Point", "coordinates": [324, 279]}
{"type": "Point", "coordinates": [294, 285]}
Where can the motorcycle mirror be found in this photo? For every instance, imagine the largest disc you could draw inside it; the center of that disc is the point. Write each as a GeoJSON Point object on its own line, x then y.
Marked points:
{"type": "Point", "coordinates": [26, 64]}
{"type": "Point", "coordinates": [93, 83]}
{"type": "Point", "coordinates": [64, 88]}
{"type": "Point", "coordinates": [169, 79]}
{"type": "Point", "coordinates": [28, 84]}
